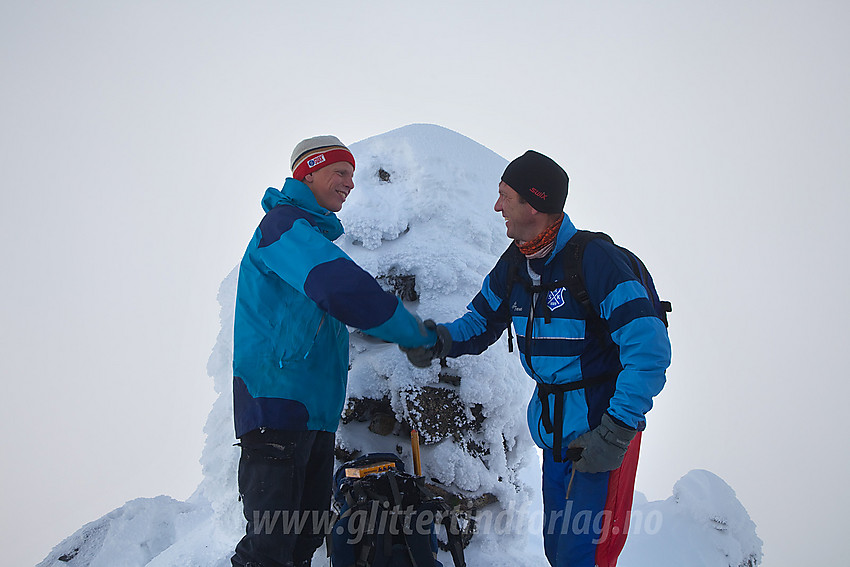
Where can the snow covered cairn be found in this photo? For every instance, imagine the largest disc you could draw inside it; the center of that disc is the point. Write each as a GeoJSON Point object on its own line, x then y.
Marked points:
{"type": "Point", "coordinates": [421, 220]}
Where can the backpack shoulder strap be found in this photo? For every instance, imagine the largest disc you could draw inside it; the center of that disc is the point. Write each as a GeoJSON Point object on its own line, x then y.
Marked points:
{"type": "Point", "coordinates": [574, 280]}
{"type": "Point", "coordinates": [662, 308]}
{"type": "Point", "coordinates": [514, 259]}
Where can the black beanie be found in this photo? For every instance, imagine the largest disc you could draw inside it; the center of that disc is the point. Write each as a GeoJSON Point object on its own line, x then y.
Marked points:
{"type": "Point", "coordinates": [539, 180]}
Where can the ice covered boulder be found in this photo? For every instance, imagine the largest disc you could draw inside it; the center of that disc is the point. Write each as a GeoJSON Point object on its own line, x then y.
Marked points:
{"type": "Point", "coordinates": [135, 533]}
{"type": "Point", "coordinates": [703, 524]}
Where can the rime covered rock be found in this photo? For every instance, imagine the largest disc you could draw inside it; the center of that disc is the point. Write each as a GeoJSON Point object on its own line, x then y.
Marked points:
{"type": "Point", "coordinates": [414, 187]}
{"type": "Point", "coordinates": [702, 524]}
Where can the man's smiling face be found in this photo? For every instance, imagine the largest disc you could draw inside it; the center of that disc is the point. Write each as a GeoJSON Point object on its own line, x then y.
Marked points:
{"type": "Point", "coordinates": [331, 184]}
{"type": "Point", "coordinates": [521, 220]}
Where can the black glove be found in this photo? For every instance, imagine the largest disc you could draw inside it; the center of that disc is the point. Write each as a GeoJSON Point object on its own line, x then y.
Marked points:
{"type": "Point", "coordinates": [603, 447]}
{"type": "Point", "coordinates": [421, 357]}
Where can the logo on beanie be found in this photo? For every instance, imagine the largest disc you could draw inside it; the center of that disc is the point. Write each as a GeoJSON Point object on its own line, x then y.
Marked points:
{"type": "Point", "coordinates": [538, 192]}
{"type": "Point", "coordinates": [313, 162]}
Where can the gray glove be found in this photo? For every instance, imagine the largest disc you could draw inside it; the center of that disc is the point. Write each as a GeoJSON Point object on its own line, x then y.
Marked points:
{"type": "Point", "coordinates": [421, 357]}
{"type": "Point", "coordinates": [603, 447]}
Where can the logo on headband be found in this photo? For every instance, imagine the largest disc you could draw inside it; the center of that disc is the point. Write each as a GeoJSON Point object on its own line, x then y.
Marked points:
{"type": "Point", "coordinates": [313, 162]}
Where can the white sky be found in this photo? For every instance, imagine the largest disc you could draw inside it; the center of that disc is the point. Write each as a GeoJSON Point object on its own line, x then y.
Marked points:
{"type": "Point", "coordinates": [137, 139]}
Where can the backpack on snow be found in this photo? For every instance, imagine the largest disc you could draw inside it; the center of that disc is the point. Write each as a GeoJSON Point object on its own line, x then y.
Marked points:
{"type": "Point", "coordinates": [388, 518]}
{"type": "Point", "coordinates": [574, 283]}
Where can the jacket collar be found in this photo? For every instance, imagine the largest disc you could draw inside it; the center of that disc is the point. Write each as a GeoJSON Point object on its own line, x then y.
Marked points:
{"type": "Point", "coordinates": [297, 193]}
{"type": "Point", "coordinates": [566, 232]}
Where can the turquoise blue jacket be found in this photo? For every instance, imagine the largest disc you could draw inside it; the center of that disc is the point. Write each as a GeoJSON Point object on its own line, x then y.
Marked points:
{"type": "Point", "coordinates": [297, 291]}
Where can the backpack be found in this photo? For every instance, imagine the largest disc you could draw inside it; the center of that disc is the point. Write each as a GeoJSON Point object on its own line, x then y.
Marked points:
{"type": "Point", "coordinates": [388, 518]}
{"type": "Point", "coordinates": [574, 283]}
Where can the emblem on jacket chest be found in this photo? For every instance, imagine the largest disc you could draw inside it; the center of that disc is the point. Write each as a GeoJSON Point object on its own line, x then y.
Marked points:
{"type": "Point", "coordinates": [556, 298]}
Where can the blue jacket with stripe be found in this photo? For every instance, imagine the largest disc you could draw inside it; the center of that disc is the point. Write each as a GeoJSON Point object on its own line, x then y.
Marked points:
{"type": "Point", "coordinates": [564, 350]}
{"type": "Point", "coordinates": [296, 293]}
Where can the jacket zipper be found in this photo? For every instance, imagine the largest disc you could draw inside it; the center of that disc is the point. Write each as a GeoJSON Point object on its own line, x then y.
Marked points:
{"type": "Point", "coordinates": [316, 336]}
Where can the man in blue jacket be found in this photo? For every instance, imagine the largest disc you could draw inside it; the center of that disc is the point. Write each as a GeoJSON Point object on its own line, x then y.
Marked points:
{"type": "Point", "coordinates": [297, 291]}
{"type": "Point", "coordinates": [593, 389]}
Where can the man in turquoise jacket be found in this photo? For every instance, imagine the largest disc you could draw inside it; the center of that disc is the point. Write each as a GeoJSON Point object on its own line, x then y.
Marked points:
{"type": "Point", "coordinates": [297, 291]}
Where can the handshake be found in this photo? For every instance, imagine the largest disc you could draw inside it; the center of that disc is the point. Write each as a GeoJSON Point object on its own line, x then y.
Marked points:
{"type": "Point", "coordinates": [421, 357]}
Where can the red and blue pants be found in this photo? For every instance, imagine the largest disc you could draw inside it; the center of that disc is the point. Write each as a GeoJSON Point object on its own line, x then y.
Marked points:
{"type": "Point", "coordinates": [588, 526]}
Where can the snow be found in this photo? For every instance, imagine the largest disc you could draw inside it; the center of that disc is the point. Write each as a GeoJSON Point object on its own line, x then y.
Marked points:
{"type": "Point", "coordinates": [432, 217]}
